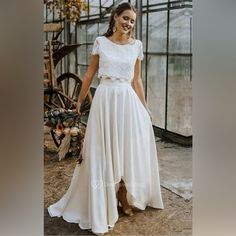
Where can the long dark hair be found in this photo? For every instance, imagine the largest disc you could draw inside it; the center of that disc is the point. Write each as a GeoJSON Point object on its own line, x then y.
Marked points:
{"type": "Point", "coordinates": [118, 10]}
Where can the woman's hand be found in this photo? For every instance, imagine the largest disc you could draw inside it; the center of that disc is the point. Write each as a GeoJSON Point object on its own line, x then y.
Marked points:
{"type": "Point", "coordinates": [78, 105]}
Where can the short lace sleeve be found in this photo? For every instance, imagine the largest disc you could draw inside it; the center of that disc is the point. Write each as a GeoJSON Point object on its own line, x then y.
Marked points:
{"type": "Point", "coordinates": [140, 55]}
{"type": "Point", "coordinates": [95, 49]}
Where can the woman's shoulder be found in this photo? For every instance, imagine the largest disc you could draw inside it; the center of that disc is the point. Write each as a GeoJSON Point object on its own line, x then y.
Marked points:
{"type": "Point", "coordinates": [99, 38]}
{"type": "Point", "coordinates": [102, 39]}
{"type": "Point", "coordinates": [138, 41]}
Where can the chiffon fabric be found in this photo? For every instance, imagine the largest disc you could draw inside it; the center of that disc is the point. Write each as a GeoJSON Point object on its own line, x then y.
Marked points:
{"type": "Point", "coordinates": [119, 144]}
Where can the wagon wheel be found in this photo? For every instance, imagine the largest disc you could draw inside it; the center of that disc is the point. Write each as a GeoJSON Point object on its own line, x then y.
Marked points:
{"type": "Point", "coordinates": [69, 85]}
{"type": "Point", "coordinates": [54, 99]}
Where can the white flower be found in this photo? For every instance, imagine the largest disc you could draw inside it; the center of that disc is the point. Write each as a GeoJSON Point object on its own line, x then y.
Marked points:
{"type": "Point", "coordinates": [66, 131]}
{"type": "Point", "coordinates": [74, 131]}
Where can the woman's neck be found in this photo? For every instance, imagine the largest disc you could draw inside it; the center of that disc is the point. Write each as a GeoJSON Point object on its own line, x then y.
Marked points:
{"type": "Point", "coordinates": [120, 38]}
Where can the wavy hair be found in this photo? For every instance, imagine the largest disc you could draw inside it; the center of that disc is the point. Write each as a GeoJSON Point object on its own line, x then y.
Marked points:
{"type": "Point", "coordinates": [118, 11]}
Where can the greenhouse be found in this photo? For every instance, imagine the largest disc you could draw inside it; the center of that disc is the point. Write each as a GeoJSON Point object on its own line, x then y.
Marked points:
{"type": "Point", "coordinates": [165, 28]}
{"type": "Point", "coordinates": [118, 117]}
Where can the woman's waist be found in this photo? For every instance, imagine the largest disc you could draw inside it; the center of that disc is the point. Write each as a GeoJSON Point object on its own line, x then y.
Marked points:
{"type": "Point", "coordinates": [114, 80]}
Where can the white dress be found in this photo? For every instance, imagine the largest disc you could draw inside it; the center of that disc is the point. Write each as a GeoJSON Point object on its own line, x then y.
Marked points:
{"type": "Point", "coordinates": [119, 144]}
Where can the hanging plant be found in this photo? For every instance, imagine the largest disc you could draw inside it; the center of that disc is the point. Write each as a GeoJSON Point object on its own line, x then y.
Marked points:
{"type": "Point", "coordinates": [68, 9]}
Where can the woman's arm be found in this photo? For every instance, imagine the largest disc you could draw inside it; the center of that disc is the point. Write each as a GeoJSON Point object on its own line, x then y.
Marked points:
{"type": "Point", "coordinates": [137, 82]}
{"type": "Point", "coordinates": [87, 78]}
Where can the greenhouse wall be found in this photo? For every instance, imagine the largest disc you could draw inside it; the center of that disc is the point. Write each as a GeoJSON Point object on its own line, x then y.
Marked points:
{"type": "Point", "coordinates": [166, 33]}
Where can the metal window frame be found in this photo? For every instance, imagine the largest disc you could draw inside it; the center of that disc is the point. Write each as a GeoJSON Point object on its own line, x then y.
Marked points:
{"type": "Point", "coordinates": [148, 8]}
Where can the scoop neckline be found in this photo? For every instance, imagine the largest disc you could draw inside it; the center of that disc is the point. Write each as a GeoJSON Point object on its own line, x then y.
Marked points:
{"type": "Point", "coordinates": [119, 43]}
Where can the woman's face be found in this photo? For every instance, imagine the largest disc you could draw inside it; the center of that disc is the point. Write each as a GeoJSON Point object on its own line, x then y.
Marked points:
{"type": "Point", "coordinates": [125, 21]}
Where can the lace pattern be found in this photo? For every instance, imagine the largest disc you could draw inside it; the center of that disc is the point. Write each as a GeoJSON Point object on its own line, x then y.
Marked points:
{"type": "Point", "coordinates": [113, 78]}
{"type": "Point", "coordinates": [117, 61]}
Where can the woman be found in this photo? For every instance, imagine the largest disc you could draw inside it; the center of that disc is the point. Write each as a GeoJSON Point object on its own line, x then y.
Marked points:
{"type": "Point", "coordinates": [120, 162]}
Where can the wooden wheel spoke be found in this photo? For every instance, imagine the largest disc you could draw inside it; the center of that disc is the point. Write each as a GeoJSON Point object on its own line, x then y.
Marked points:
{"type": "Point", "coordinates": [63, 105]}
{"type": "Point", "coordinates": [74, 90]}
{"type": "Point", "coordinates": [66, 81]}
{"type": "Point", "coordinates": [71, 84]}
{"type": "Point", "coordinates": [62, 87]}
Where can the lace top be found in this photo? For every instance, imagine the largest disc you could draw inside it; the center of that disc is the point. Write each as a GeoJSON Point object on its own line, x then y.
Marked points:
{"type": "Point", "coordinates": [117, 60]}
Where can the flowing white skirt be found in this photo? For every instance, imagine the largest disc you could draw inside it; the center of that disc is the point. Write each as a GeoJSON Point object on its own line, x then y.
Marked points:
{"type": "Point", "coordinates": [119, 144]}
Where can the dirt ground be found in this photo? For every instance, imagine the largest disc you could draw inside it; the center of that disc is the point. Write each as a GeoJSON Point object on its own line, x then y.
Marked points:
{"type": "Point", "coordinates": [174, 220]}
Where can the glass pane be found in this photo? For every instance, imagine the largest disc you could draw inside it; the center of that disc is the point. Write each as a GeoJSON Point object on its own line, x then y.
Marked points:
{"type": "Point", "coordinates": [62, 36]}
{"type": "Point", "coordinates": [49, 16]}
{"type": "Point", "coordinates": [156, 1]}
{"type": "Point", "coordinates": [81, 71]}
{"type": "Point", "coordinates": [81, 34]}
{"type": "Point", "coordinates": [72, 33]}
{"type": "Point", "coordinates": [179, 3]}
{"type": "Point", "coordinates": [92, 32]}
{"type": "Point", "coordinates": [179, 111]}
{"type": "Point", "coordinates": [107, 3]}
{"type": "Point", "coordinates": [121, 1]}
{"type": "Point", "coordinates": [144, 27]}
{"type": "Point", "coordinates": [103, 28]}
{"type": "Point", "coordinates": [58, 69]}
{"type": "Point", "coordinates": [94, 7]}
{"type": "Point", "coordinates": [180, 23]}
{"type": "Point", "coordinates": [72, 63]}
{"type": "Point", "coordinates": [82, 54]}
{"type": "Point", "coordinates": [44, 12]}
{"type": "Point", "coordinates": [156, 89]}
{"type": "Point", "coordinates": [157, 30]}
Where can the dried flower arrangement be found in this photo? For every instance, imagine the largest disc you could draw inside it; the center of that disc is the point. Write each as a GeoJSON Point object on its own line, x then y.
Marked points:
{"type": "Point", "coordinates": [68, 9]}
{"type": "Point", "coordinates": [69, 129]}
